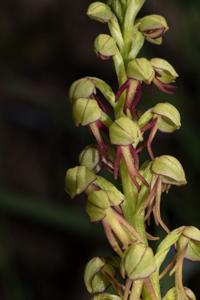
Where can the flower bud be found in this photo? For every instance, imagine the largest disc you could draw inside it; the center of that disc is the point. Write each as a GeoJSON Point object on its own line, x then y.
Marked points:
{"type": "Point", "coordinates": [82, 88]}
{"type": "Point", "coordinates": [77, 180]}
{"type": "Point", "coordinates": [99, 11]}
{"type": "Point", "coordinates": [98, 202]}
{"type": "Point", "coordinates": [169, 117]}
{"type": "Point", "coordinates": [124, 132]}
{"type": "Point", "coordinates": [141, 69]}
{"type": "Point", "coordinates": [85, 111]}
{"type": "Point", "coordinates": [106, 296]}
{"type": "Point", "coordinates": [138, 262]}
{"type": "Point", "coordinates": [153, 27]}
{"type": "Point", "coordinates": [190, 239]}
{"type": "Point", "coordinates": [89, 158]}
{"type": "Point", "coordinates": [105, 46]}
{"type": "Point", "coordinates": [94, 277]}
{"type": "Point", "coordinates": [164, 70]}
{"type": "Point", "coordinates": [169, 169]}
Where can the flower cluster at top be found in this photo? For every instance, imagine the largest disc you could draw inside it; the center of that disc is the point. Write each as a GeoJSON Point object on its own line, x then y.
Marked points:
{"type": "Point", "coordinates": [121, 134]}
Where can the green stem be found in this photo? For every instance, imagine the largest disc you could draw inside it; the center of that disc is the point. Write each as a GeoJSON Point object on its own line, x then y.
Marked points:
{"type": "Point", "coordinates": [136, 290]}
{"type": "Point", "coordinates": [115, 31]}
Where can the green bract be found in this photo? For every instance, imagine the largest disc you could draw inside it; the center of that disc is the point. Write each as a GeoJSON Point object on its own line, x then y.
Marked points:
{"type": "Point", "coordinates": [124, 132]}
{"type": "Point", "coordinates": [89, 158]}
{"type": "Point", "coordinates": [82, 88]}
{"type": "Point", "coordinates": [138, 262]}
{"type": "Point", "coordinates": [98, 202]}
{"type": "Point", "coordinates": [153, 27]}
{"type": "Point", "coordinates": [107, 186]}
{"type": "Point", "coordinates": [169, 169]}
{"type": "Point", "coordinates": [105, 46]}
{"type": "Point", "coordinates": [85, 111]}
{"type": "Point", "coordinates": [165, 72]}
{"type": "Point", "coordinates": [100, 12]}
{"type": "Point", "coordinates": [77, 180]}
{"type": "Point", "coordinates": [141, 69]}
{"type": "Point", "coordinates": [95, 278]}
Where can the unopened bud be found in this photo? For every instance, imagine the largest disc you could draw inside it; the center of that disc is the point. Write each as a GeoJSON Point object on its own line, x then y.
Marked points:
{"type": "Point", "coordinates": [138, 262]}
{"type": "Point", "coordinates": [85, 111]}
{"type": "Point", "coordinates": [105, 46]}
{"type": "Point", "coordinates": [89, 158]}
{"type": "Point", "coordinates": [82, 88]}
{"type": "Point", "coordinates": [169, 169]}
{"type": "Point", "coordinates": [169, 117]}
{"type": "Point", "coordinates": [94, 276]}
{"type": "Point", "coordinates": [153, 27]}
{"type": "Point", "coordinates": [77, 180]}
{"type": "Point", "coordinates": [164, 70]}
{"type": "Point", "coordinates": [124, 132]}
{"type": "Point", "coordinates": [99, 11]}
{"type": "Point", "coordinates": [141, 69]}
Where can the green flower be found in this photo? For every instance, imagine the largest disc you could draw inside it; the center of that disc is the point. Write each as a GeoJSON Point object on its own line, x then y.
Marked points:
{"type": "Point", "coordinates": [164, 70]}
{"type": "Point", "coordinates": [105, 46]}
{"type": "Point", "coordinates": [77, 180]}
{"type": "Point", "coordinates": [153, 27]}
{"type": "Point", "coordinates": [141, 69]}
{"type": "Point", "coordinates": [96, 275]}
{"type": "Point", "coordinates": [99, 11]}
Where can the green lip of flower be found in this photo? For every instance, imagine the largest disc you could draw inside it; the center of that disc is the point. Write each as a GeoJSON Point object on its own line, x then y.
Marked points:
{"type": "Point", "coordinates": [100, 12]}
{"type": "Point", "coordinates": [105, 46]}
{"type": "Point", "coordinates": [77, 180]}
{"type": "Point", "coordinates": [141, 69]}
{"type": "Point", "coordinates": [170, 169]}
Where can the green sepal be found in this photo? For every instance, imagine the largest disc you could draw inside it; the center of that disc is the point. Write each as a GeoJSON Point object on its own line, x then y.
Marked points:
{"type": "Point", "coordinates": [77, 180]}
{"type": "Point", "coordinates": [169, 117]}
{"type": "Point", "coordinates": [138, 262]}
{"type": "Point", "coordinates": [81, 88]}
{"type": "Point", "coordinates": [124, 132]}
{"type": "Point", "coordinates": [166, 244]}
{"type": "Point", "coordinates": [94, 277]}
{"type": "Point", "coordinates": [166, 73]}
{"type": "Point", "coordinates": [141, 69]}
{"type": "Point", "coordinates": [106, 296]}
{"type": "Point", "coordinates": [169, 169]}
{"type": "Point", "coordinates": [153, 27]}
{"type": "Point", "coordinates": [89, 158]}
{"type": "Point", "coordinates": [99, 11]}
{"type": "Point", "coordinates": [105, 46]}
{"type": "Point", "coordinates": [85, 111]}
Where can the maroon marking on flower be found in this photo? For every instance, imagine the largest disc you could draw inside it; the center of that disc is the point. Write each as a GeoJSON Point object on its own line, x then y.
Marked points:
{"type": "Point", "coordinates": [153, 127]}
{"type": "Point", "coordinates": [154, 33]}
{"type": "Point", "coordinates": [164, 87]}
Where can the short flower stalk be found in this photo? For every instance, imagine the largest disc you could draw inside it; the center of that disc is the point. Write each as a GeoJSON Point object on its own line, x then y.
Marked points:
{"type": "Point", "coordinates": [121, 133]}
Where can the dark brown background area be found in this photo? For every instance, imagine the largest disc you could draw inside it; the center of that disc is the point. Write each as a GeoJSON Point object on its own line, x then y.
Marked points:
{"type": "Point", "coordinates": [46, 238]}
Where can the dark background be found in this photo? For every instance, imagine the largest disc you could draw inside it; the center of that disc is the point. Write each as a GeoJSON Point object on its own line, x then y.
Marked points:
{"type": "Point", "coordinates": [46, 238]}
